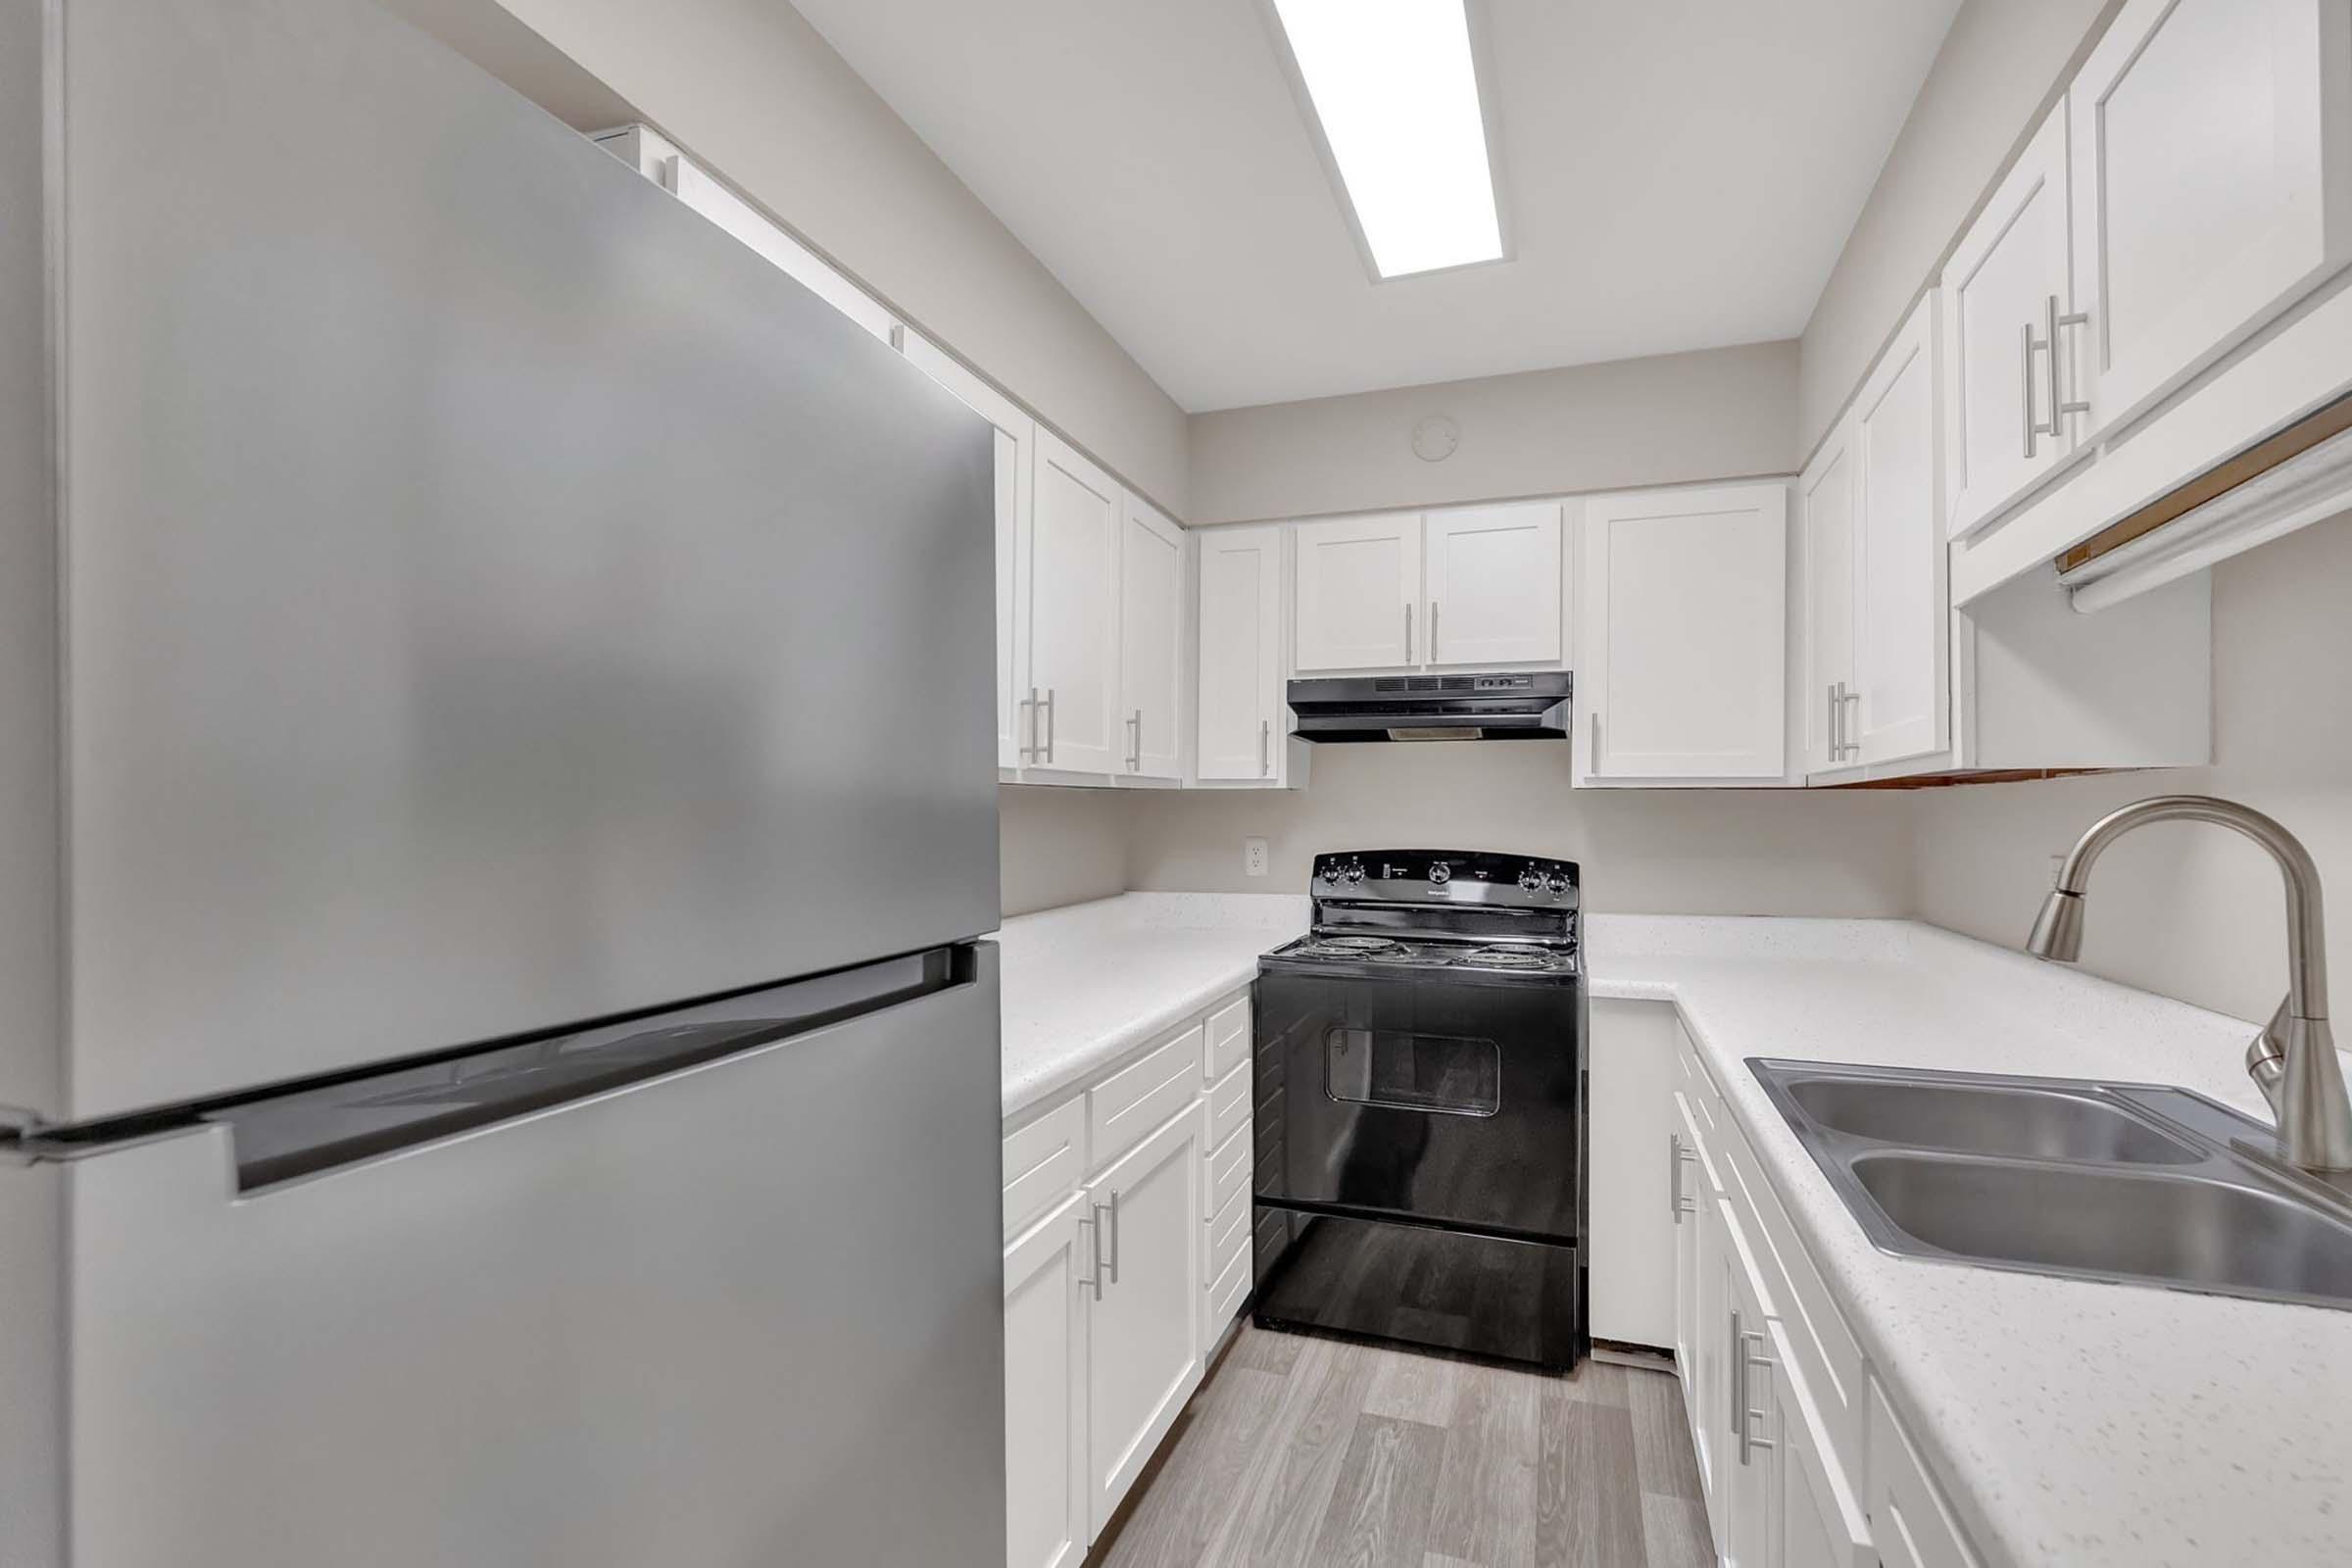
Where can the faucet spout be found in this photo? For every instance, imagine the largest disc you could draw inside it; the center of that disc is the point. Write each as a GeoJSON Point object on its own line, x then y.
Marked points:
{"type": "Point", "coordinates": [2293, 1059]}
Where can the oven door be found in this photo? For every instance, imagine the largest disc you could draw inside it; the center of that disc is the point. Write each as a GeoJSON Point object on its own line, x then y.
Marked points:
{"type": "Point", "coordinates": [1448, 1101]}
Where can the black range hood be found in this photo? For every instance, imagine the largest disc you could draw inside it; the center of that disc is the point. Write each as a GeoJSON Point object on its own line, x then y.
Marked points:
{"type": "Point", "coordinates": [1513, 706]}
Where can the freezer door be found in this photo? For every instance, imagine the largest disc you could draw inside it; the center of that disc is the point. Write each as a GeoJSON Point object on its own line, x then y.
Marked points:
{"type": "Point", "coordinates": [497, 597]}
{"type": "Point", "coordinates": [746, 1313]}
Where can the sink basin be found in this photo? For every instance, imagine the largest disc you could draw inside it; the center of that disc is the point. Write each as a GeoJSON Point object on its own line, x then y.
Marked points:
{"type": "Point", "coordinates": [2032, 1123]}
{"type": "Point", "coordinates": [2190, 1231]}
{"type": "Point", "coordinates": [2138, 1183]}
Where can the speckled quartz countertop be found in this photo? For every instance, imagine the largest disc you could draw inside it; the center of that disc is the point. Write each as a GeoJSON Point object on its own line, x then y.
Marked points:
{"type": "Point", "coordinates": [2069, 1422]}
{"type": "Point", "coordinates": [1087, 983]}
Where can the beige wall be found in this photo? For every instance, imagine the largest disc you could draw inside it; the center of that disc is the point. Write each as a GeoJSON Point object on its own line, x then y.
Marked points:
{"type": "Point", "coordinates": [1060, 846]}
{"type": "Point", "coordinates": [1721, 413]}
{"type": "Point", "coordinates": [1696, 852]}
{"type": "Point", "coordinates": [2189, 910]}
{"type": "Point", "coordinates": [751, 88]}
{"type": "Point", "coordinates": [2001, 61]}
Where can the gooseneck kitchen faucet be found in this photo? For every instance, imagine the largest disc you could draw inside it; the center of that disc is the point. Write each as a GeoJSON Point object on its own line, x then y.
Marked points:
{"type": "Point", "coordinates": [2293, 1059]}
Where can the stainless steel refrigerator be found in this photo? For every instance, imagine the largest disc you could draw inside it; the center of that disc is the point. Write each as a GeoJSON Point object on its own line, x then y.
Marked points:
{"type": "Point", "coordinates": [497, 800]}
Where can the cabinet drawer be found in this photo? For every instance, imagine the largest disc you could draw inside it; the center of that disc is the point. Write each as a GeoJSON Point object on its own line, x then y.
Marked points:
{"type": "Point", "coordinates": [1226, 1296]}
{"type": "Point", "coordinates": [1228, 1171]}
{"type": "Point", "coordinates": [1043, 1162]}
{"type": "Point", "coordinates": [1229, 1104]}
{"type": "Point", "coordinates": [1827, 1354]}
{"type": "Point", "coordinates": [1228, 1236]}
{"type": "Point", "coordinates": [1228, 1043]}
{"type": "Point", "coordinates": [1130, 1103]}
{"type": "Point", "coordinates": [1909, 1521]}
{"type": "Point", "coordinates": [1690, 1077]}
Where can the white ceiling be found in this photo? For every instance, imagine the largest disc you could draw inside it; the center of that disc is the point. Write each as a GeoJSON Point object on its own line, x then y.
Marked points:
{"type": "Point", "coordinates": [1675, 175]}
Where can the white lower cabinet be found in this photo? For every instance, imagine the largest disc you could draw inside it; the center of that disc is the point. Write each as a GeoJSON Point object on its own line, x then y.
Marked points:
{"type": "Point", "coordinates": [1773, 1383]}
{"type": "Point", "coordinates": [1629, 1253]}
{"type": "Point", "coordinates": [1911, 1524]}
{"type": "Point", "coordinates": [1142, 1349]}
{"type": "Point", "coordinates": [1047, 1277]}
{"type": "Point", "coordinates": [1130, 1196]}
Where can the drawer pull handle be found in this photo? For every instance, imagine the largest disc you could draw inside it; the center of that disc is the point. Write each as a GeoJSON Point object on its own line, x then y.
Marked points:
{"type": "Point", "coordinates": [1677, 1202]}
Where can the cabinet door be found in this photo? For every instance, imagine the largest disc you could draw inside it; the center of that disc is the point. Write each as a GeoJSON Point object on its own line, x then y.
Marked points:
{"type": "Point", "coordinates": [1151, 576]}
{"type": "Point", "coordinates": [1710, 1427]}
{"type": "Point", "coordinates": [1752, 1444]}
{"type": "Point", "coordinates": [1016, 433]}
{"type": "Point", "coordinates": [1633, 1156]}
{"type": "Point", "coordinates": [1997, 292]}
{"type": "Point", "coordinates": [1825, 509]}
{"type": "Point", "coordinates": [1699, 1305]}
{"type": "Point", "coordinates": [1046, 1276]}
{"type": "Point", "coordinates": [2210, 182]}
{"type": "Point", "coordinates": [1073, 610]}
{"type": "Point", "coordinates": [1240, 680]}
{"type": "Point", "coordinates": [1903, 624]}
{"type": "Point", "coordinates": [1818, 1520]}
{"type": "Point", "coordinates": [748, 224]}
{"type": "Point", "coordinates": [1682, 636]}
{"type": "Point", "coordinates": [1144, 1353]}
{"type": "Point", "coordinates": [1493, 583]}
{"type": "Point", "coordinates": [1359, 593]}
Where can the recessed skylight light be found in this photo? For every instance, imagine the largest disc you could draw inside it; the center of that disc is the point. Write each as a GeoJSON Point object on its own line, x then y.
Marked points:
{"type": "Point", "coordinates": [1395, 86]}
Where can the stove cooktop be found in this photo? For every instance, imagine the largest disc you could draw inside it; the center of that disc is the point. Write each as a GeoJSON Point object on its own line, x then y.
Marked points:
{"type": "Point", "coordinates": [1410, 953]}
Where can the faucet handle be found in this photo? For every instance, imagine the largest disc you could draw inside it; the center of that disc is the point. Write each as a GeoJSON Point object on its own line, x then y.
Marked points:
{"type": "Point", "coordinates": [2265, 1057]}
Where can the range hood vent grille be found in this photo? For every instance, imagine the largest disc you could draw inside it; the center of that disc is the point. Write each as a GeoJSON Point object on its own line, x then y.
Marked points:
{"type": "Point", "coordinates": [1509, 704]}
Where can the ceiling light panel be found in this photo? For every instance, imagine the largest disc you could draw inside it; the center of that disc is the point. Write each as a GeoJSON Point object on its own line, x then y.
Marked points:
{"type": "Point", "coordinates": [1396, 89]}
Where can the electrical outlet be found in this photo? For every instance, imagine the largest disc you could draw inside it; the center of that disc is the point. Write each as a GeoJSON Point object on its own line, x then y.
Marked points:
{"type": "Point", "coordinates": [1254, 856]}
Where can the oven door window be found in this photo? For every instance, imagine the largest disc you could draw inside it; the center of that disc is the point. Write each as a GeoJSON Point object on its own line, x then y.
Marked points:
{"type": "Point", "coordinates": [1405, 1071]}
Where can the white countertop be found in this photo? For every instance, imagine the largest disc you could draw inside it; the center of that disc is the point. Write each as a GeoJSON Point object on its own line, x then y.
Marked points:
{"type": "Point", "coordinates": [2069, 1422]}
{"type": "Point", "coordinates": [1087, 983]}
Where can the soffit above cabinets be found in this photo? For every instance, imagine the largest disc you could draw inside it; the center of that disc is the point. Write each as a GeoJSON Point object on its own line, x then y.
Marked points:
{"type": "Point", "coordinates": [1676, 174]}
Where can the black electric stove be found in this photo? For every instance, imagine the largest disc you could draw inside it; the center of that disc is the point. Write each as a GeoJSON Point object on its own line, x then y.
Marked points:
{"type": "Point", "coordinates": [1420, 1078]}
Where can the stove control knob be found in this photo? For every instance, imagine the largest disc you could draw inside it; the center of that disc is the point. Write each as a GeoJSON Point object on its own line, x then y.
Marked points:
{"type": "Point", "coordinates": [1531, 880]}
{"type": "Point", "coordinates": [1558, 883]}
{"type": "Point", "coordinates": [1440, 873]}
{"type": "Point", "coordinates": [1355, 873]}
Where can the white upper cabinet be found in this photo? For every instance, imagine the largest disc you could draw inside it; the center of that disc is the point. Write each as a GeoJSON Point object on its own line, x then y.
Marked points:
{"type": "Point", "coordinates": [1825, 510]}
{"type": "Point", "coordinates": [2210, 182]}
{"type": "Point", "coordinates": [1493, 581]}
{"type": "Point", "coordinates": [1066, 593]}
{"type": "Point", "coordinates": [1243, 721]}
{"type": "Point", "coordinates": [1902, 630]}
{"type": "Point", "coordinates": [1877, 625]}
{"type": "Point", "coordinates": [1359, 593]}
{"type": "Point", "coordinates": [1468, 588]}
{"type": "Point", "coordinates": [1681, 636]}
{"type": "Point", "coordinates": [2006, 290]}
{"type": "Point", "coordinates": [1151, 583]}
{"type": "Point", "coordinates": [1016, 434]}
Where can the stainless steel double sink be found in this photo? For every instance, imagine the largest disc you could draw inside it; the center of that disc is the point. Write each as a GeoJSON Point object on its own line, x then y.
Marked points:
{"type": "Point", "coordinates": [2140, 1182]}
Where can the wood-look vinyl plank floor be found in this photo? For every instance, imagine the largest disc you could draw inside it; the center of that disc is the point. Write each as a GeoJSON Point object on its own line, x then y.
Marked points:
{"type": "Point", "coordinates": [1302, 1451]}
